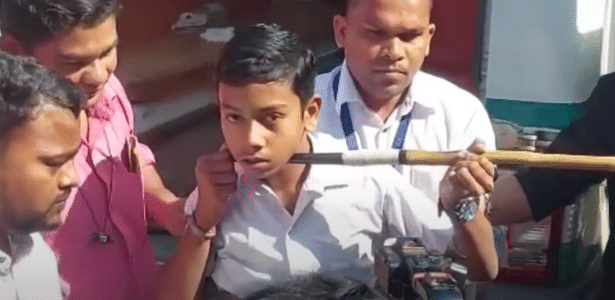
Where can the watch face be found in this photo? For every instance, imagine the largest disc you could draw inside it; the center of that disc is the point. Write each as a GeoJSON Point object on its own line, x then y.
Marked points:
{"type": "Point", "coordinates": [468, 210]}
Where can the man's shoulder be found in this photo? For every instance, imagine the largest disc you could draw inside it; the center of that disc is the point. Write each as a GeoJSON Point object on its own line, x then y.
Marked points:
{"type": "Point", "coordinates": [608, 79]}
{"type": "Point", "coordinates": [323, 79]}
{"type": "Point", "coordinates": [31, 251]}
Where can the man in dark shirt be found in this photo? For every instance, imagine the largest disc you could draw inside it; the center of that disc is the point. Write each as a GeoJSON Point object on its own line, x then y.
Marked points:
{"type": "Point", "coordinates": [535, 193]}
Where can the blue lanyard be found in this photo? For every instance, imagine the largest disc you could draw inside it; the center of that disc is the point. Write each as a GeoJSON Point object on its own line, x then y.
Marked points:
{"type": "Point", "coordinates": [351, 138]}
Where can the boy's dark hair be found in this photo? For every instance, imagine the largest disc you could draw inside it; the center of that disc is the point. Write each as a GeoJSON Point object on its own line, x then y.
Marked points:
{"type": "Point", "coordinates": [26, 86]}
{"type": "Point", "coordinates": [265, 53]}
{"type": "Point", "coordinates": [319, 287]}
{"type": "Point", "coordinates": [35, 21]}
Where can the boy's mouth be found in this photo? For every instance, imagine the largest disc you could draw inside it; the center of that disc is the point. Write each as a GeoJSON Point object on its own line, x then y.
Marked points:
{"type": "Point", "coordinates": [253, 160]}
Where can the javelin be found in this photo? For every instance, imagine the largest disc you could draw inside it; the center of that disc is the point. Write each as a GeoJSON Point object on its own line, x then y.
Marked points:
{"type": "Point", "coordinates": [498, 157]}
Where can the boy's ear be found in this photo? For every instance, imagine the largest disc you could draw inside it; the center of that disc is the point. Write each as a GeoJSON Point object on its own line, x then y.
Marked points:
{"type": "Point", "coordinates": [10, 44]}
{"type": "Point", "coordinates": [311, 112]}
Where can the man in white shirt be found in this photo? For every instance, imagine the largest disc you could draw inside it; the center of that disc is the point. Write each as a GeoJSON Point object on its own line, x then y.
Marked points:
{"type": "Point", "coordinates": [379, 99]}
{"type": "Point", "coordinates": [39, 136]}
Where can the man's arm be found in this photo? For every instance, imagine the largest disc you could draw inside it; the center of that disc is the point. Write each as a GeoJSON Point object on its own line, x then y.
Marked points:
{"type": "Point", "coordinates": [163, 207]}
{"type": "Point", "coordinates": [474, 241]}
{"type": "Point", "coordinates": [412, 213]}
{"type": "Point", "coordinates": [181, 275]}
{"type": "Point", "coordinates": [509, 204]}
{"type": "Point", "coordinates": [472, 176]}
{"type": "Point", "coordinates": [533, 194]}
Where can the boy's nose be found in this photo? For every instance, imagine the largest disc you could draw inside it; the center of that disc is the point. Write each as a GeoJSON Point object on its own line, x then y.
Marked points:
{"type": "Point", "coordinates": [256, 135]}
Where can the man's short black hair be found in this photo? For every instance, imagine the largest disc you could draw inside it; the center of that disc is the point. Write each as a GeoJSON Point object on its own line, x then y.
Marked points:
{"type": "Point", "coordinates": [266, 53]}
{"type": "Point", "coordinates": [35, 21]}
{"type": "Point", "coordinates": [319, 287]}
{"type": "Point", "coordinates": [25, 86]}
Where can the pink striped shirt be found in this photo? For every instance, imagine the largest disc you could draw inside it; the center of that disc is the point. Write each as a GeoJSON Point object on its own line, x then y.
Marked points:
{"type": "Point", "coordinates": [109, 199]}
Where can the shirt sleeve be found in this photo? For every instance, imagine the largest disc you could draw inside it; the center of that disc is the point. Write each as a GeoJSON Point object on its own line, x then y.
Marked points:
{"type": "Point", "coordinates": [146, 155]}
{"type": "Point", "coordinates": [191, 201]}
{"type": "Point", "coordinates": [467, 119]}
{"type": "Point", "coordinates": [480, 125]}
{"type": "Point", "coordinates": [546, 190]}
{"type": "Point", "coordinates": [409, 213]}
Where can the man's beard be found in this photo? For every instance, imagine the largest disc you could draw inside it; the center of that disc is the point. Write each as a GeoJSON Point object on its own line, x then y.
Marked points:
{"type": "Point", "coordinates": [16, 225]}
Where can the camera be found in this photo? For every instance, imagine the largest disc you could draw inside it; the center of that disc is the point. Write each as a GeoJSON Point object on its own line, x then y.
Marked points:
{"type": "Point", "coordinates": [406, 269]}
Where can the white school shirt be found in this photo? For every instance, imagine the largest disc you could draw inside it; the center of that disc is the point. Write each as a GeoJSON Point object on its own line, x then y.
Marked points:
{"type": "Point", "coordinates": [444, 118]}
{"type": "Point", "coordinates": [342, 216]}
{"type": "Point", "coordinates": [31, 272]}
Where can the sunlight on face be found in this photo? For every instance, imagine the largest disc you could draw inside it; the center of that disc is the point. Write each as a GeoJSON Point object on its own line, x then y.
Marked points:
{"type": "Point", "coordinates": [263, 124]}
{"type": "Point", "coordinates": [385, 43]}
{"type": "Point", "coordinates": [87, 56]}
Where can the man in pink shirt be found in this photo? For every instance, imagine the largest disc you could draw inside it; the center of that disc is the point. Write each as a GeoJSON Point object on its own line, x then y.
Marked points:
{"type": "Point", "coordinates": [102, 247]}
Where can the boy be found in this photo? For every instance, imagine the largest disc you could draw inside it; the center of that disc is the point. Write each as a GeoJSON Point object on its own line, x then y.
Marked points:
{"type": "Point", "coordinates": [289, 219]}
{"type": "Point", "coordinates": [104, 230]}
{"type": "Point", "coordinates": [39, 136]}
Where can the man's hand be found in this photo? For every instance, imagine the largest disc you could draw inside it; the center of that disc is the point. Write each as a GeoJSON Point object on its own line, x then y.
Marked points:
{"type": "Point", "coordinates": [216, 180]}
{"type": "Point", "coordinates": [472, 175]}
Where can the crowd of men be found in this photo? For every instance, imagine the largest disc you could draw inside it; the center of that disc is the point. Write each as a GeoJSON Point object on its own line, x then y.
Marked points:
{"type": "Point", "coordinates": [77, 189]}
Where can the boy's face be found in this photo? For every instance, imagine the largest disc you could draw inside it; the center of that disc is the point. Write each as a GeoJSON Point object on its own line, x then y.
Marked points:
{"type": "Point", "coordinates": [87, 56]}
{"type": "Point", "coordinates": [264, 124]}
{"type": "Point", "coordinates": [37, 171]}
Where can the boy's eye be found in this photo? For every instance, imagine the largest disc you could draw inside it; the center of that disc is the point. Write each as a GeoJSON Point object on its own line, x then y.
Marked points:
{"type": "Point", "coordinates": [232, 117]}
{"type": "Point", "coordinates": [273, 117]}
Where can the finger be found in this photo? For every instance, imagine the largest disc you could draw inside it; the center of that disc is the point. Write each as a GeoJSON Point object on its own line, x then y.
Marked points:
{"type": "Point", "coordinates": [201, 164]}
{"type": "Point", "coordinates": [465, 177]}
{"type": "Point", "coordinates": [455, 182]}
{"type": "Point", "coordinates": [480, 175]}
{"type": "Point", "coordinates": [478, 147]}
{"type": "Point", "coordinates": [487, 166]}
{"type": "Point", "coordinates": [223, 147]}
{"type": "Point", "coordinates": [219, 166]}
{"type": "Point", "coordinates": [459, 156]}
{"type": "Point", "coordinates": [223, 178]}
{"type": "Point", "coordinates": [224, 154]}
{"type": "Point", "coordinates": [227, 190]}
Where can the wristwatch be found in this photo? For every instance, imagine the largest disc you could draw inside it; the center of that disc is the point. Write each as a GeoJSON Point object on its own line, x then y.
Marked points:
{"type": "Point", "coordinates": [466, 210]}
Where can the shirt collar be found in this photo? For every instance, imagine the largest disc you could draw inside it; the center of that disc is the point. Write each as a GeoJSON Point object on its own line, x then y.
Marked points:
{"type": "Point", "coordinates": [21, 245]}
{"type": "Point", "coordinates": [348, 92]}
{"type": "Point", "coordinates": [104, 108]}
{"type": "Point", "coordinates": [5, 263]}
